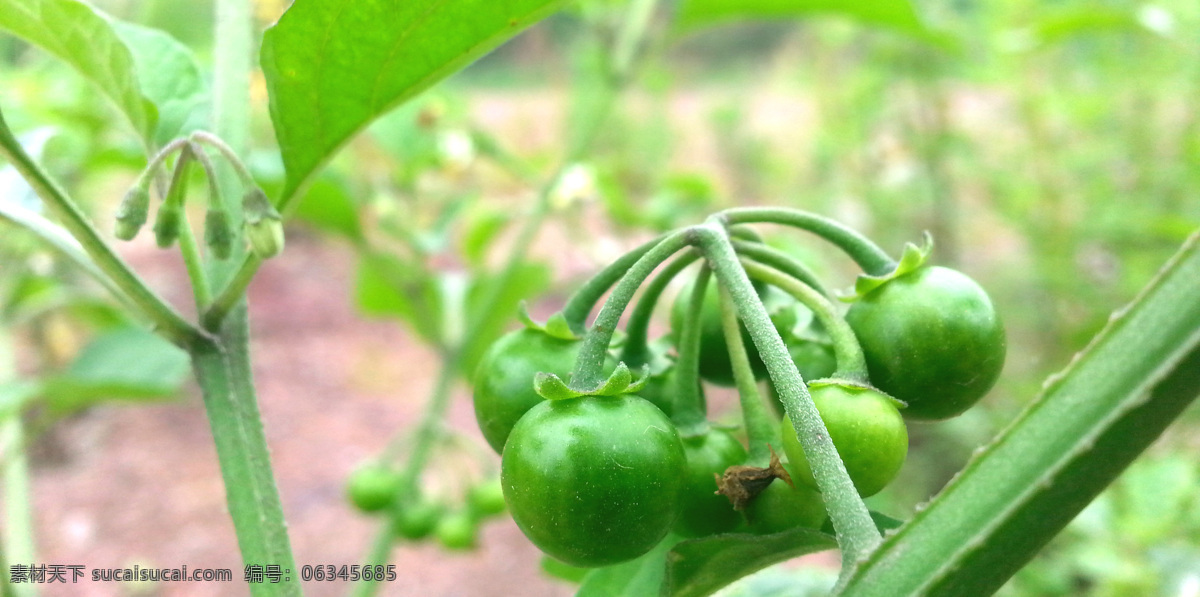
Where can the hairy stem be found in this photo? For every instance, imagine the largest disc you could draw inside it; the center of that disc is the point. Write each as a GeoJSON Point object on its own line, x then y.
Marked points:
{"type": "Point", "coordinates": [690, 416]}
{"type": "Point", "coordinates": [636, 351]}
{"type": "Point", "coordinates": [857, 535]}
{"type": "Point", "coordinates": [851, 364]}
{"type": "Point", "coordinates": [168, 321]}
{"type": "Point", "coordinates": [861, 249]}
{"type": "Point", "coordinates": [761, 428]}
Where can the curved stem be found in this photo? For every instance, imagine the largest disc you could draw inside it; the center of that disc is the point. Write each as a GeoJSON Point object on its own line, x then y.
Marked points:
{"type": "Point", "coordinates": [177, 195]}
{"type": "Point", "coordinates": [583, 300]}
{"type": "Point", "coordinates": [856, 532]}
{"type": "Point", "coordinates": [169, 322]}
{"type": "Point", "coordinates": [779, 260]}
{"type": "Point", "coordinates": [589, 366]}
{"type": "Point", "coordinates": [690, 416]}
{"type": "Point", "coordinates": [861, 249]}
{"type": "Point", "coordinates": [225, 302]}
{"type": "Point", "coordinates": [761, 428]}
{"type": "Point", "coordinates": [851, 364]}
{"type": "Point", "coordinates": [381, 552]}
{"type": "Point", "coordinates": [637, 351]}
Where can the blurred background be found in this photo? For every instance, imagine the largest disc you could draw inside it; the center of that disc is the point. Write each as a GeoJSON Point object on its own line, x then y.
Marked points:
{"type": "Point", "coordinates": [1052, 149]}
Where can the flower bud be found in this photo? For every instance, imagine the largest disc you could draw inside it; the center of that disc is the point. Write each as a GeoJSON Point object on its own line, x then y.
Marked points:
{"type": "Point", "coordinates": [264, 225]}
{"type": "Point", "coordinates": [167, 223]}
{"type": "Point", "coordinates": [217, 234]}
{"type": "Point", "coordinates": [131, 214]}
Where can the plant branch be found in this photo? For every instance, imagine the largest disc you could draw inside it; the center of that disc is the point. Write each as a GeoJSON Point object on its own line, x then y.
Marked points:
{"type": "Point", "coordinates": [856, 532]}
{"type": "Point", "coordinates": [761, 428]}
{"type": "Point", "coordinates": [861, 249]}
{"type": "Point", "coordinates": [169, 322]}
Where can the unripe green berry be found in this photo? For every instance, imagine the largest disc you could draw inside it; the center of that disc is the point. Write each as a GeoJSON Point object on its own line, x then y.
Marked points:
{"type": "Point", "coordinates": [457, 530]}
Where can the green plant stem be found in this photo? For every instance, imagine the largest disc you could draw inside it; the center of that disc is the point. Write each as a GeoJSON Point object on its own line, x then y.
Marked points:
{"type": "Point", "coordinates": [861, 249]}
{"type": "Point", "coordinates": [241, 443]}
{"type": "Point", "coordinates": [192, 260]}
{"type": "Point", "coordinates": [851, 364]}
{"type": "Point", "coordinates": [636, 351]}
{"type": "Point", "coordinates": [761, 428]}
{"type": "Point", "coordinates": [690, 415]}
{"type": "Point", "coordinates": [220, 307]}
{"type": "Point", "coordinates": [168, 321]}
{"type": "Point", "coordinates": [630, 38]}
{"type": "Point", "coordinates": [781, 261]}
{"type": "Point", "coordinates": [857, 535]}
{"type": "Point", "coordinates": [16, 534]}
{"type": "Point", "coordinates": [584, 299]}
{"type": "Point", "coordinates": [66, 245]}
{"type": "Point", "coordinates": [589, 366]}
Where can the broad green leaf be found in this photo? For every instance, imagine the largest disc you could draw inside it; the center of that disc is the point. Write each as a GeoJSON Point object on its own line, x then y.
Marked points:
{"type": "Point", "coordinates": [389, 287]}
{"type": "Point", "coordinates": [702, 566]}
{"type": "Point", "coordinates": [170, 77]}
{"type": "Point", "coordinates": [328, 206]}
{"type": "Point", "coordinates": [1110, 403]}
{"type": "Point", "coordinates": [642, 577]}
{"type": "Point", "coordinates": [893, 14]}
{"type": "Point", "coordinates": [79, 35]}
{"type": "Point", "coordinates": [127, 363]}
{"type": "Point", "coordinates": [333, 67]}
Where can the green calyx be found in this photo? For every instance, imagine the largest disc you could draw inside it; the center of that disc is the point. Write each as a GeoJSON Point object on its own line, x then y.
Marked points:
{"type": "Point", "coordinates": [218, 234]}
{"type": "Point", "coordinates": [264, 225]}
{"type": "Point", "coordinates": [166, 224]}
{"type": "Point", "coordinates": [622, 381]}
{"type": "Point", "coordinates": [855, 386]}
{"type": "Point", "coordinates": [914, 258]}
{"type": "Point", "coordinates": [556, 325]}
{"type": "Point", "coordinates": [132, 213]}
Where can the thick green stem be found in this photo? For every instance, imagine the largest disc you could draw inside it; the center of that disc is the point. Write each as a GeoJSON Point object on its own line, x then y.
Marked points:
{"type": "Point", "coordinates": [584, 299]}
{"type": "Point", "coordinates": [780, 261]}
{"type": "Point", "coordinates": [169, 322]}
{"type": "Point", "coordinates": [631, 37]}
{"type": "Point", "coordinates": [761, 428]}
{"type": "Point", "coordinates": [856, 533]}
{"type": "Point", "coordinates": [861, 249]}
{"type": "Point", "coordinates": [851, 364]}
{"type": "Point", "coordinates": [690, 414]}
{"type": "Point", "coordinates": [589, 366]}
{"type": "Point", "coordinates": [241, 443]}
{"type": "Point", "coordinates": [636, 351]}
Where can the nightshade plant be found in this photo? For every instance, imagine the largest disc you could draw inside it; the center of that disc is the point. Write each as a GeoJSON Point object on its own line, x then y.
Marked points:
{"type": "Point", "coordinates": [1105, 408]}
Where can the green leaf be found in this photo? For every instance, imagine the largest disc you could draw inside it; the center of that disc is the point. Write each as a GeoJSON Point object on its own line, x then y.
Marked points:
{"type": "Point", "coordinates": [702, 566]}
{"type": "Point", "coordinates": [333, 67]}
{"type": "Point", "coordinates": [636, 578]}
{"type": "Point", "coordinates": [389, 287]}
{"type": "Point", "coordinates": [126, 363]}
{"type": "Point", "coordinates": [328, 206]}
{"type": "Point", "coordinates": [81, 36]}
{"type": "Point", "coordinates": [170, 77]}
{"type": "Point", "coordinates": [893, 14]}
{"type": "Point", "coordinates": [1110, 403]}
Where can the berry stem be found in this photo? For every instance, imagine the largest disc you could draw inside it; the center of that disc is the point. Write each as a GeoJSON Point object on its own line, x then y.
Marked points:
{"type": "Point", "coordinates": [636, 351]}
{"type": "Point", "coordinates": [851, 365]}
{"type": "Point", "coordinates": [861, 249]}
{"type": "Point", "coordinates": [856, 533]}
{"type": "Point", "coordinates": [690, 413]}
{"type": "Point", "coordinates": [761, 428]}
{"type": "Point", "coordinates": [583, 300]}
{"type": "Point", "coordinates": [588, 372]}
